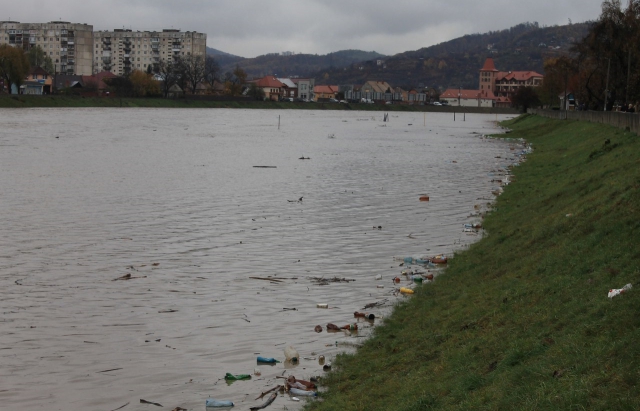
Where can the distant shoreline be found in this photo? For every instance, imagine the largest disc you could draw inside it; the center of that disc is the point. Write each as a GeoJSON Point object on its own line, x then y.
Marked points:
{"type": "Point", "coordinates": [30, 101]}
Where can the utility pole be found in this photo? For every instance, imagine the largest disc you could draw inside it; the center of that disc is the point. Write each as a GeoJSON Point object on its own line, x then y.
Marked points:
{"type": "Point", "coordinates": [606, 91]}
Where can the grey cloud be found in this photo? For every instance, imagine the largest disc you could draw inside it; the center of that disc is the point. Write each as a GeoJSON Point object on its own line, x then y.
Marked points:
{"type": "Point", "coordinates": [253, 27]}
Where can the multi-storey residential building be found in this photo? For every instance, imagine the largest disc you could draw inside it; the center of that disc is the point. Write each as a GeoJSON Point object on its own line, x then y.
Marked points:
{"type": "Point", "coordinates": [122, 51]}
{"type": "Point", "coordinates": [69, 45]}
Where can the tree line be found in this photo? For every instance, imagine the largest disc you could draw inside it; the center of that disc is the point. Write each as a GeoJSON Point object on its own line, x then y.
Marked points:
{"type": "Point", "coordinates": [602, 69]}
{"type": "Point", "coordinates": [187, 72]}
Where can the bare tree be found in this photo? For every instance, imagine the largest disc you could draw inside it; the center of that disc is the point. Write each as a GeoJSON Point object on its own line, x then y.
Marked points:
{"type": "Point", "coordinates": [166, 72]}
{"type": "Point", "coordinates": [192, 67]}
{"type": "Point", "coordinates": [211, 69]}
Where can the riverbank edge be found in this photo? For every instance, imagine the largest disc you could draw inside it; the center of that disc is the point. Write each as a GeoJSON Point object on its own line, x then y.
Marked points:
{"type": "Point", "coordinates": [28, 101]}
{"type": "Point", "coordinates": [521, 320]}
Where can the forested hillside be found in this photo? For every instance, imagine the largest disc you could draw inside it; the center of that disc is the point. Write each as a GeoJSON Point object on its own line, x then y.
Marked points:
{"type": "Point", "coordinates": [297, 65]}
{"type": "Point", "coordinates": [456, 63]}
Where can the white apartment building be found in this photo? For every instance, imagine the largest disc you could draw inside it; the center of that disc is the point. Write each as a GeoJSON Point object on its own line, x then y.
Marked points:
{"type": "Point", "coordinates": [69, 45]}
{"type": "Point", "coordinates": [121, 51]}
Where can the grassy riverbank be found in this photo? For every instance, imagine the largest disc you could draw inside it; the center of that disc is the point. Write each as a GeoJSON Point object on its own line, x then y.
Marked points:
{"type": "Point", "coordinates": [28, 101]}
{"type": "Point", "coordinates": [521, 320]}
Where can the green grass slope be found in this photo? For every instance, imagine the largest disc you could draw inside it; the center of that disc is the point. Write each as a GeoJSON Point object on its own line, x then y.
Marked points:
{"type": "Point", "coordinates": [521, 320]}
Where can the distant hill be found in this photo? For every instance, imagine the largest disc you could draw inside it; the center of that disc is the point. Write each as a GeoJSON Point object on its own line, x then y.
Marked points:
{"type": "Point", "coordinates": [455, 63]}
{"type": "Point", "coordinates": [223, 58]}
{"type": "Point", "coordinates": [297, 65]}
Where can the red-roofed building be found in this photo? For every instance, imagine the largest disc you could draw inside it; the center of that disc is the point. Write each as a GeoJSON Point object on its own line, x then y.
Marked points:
{"type": "Point", "coordinates": [272, 87]}
{"type": "Point", "coordinates": [322, 92]}
{"type": "Point", "coordinates": [506, 83]}
{"type": "Point", "coordinates": [97, 81]}
{"type": "Point", "coordinates": [468, 98]}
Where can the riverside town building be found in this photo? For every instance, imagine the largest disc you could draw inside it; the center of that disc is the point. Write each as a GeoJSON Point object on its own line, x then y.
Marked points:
{"type": "Point", "coordinates": [76, 49]}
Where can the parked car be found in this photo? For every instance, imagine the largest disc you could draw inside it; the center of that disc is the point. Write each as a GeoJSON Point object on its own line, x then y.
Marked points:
{"type": "Point", "coordinates": [437, 103]}
{"type": "Point", "coordinates": [333, 100]}
{"type": "Point", "coordinates": [444, 103]}
{"type": "Point", "coordinates": [343, 102]}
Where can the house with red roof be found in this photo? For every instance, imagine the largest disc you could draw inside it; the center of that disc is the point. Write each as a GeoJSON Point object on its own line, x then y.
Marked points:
{"type": "Point", "coordinates": [96, 81]}
{"type": "Point", "coordinates": [273, 88]}
{"type": "Point", "coordinates": [504, 84]}
{"type": "Point", "coordinates": [325, 92]}
{"type": "Point", "coordinates": [469, 98]}
{"type": "Point", "coordinates": [496, 87]}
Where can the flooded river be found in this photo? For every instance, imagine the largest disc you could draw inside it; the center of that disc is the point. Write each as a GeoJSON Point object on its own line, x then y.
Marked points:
{"type": "Point", "coordinates": [173, 198]}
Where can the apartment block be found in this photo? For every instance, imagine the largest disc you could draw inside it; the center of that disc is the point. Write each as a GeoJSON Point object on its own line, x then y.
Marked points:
{"type": "Point", "coordinates": [69, 45]}
{"type": "Point", "coordinates": [121, 51]}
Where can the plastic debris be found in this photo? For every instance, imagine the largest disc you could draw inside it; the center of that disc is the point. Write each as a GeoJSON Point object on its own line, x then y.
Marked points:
{"type": "Point", "coordinates": [302, 393]}
{"type": "Point", "coordinates": [213, 403]}
{"type": "Point", "coordinates": [291, 354]}
{"type": "Point", "coordinates": [405, 290]}
{"type": "Point", "coordinates": [267, 360]}
{"type": "Point", "coordinates": [618, 291]}
{"type": "Point", "coordinates": [322, 305]}
{"type": "Point", "coordinates": [364, 315]}
{"type": "Point", "coordinates": [229, 376]}
{"type": "Point", "coordinates": [318, 329]}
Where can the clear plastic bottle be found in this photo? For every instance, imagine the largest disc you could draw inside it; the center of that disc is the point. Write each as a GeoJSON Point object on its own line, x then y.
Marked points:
{"type": "Point", "coordinates": [291, 354]}
{"type": "Point", "coordinates": [213, 403]}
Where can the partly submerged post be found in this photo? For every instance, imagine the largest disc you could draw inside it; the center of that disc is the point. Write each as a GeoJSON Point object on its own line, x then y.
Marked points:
{"type": "Point", "coordinates": [464, 117]}
{"type": "Point", "coordinates": [454, 116]}
{"type": "Point", "coordinates": [278, 122]}
{"type": "Point", "coordinates": [424, 124]}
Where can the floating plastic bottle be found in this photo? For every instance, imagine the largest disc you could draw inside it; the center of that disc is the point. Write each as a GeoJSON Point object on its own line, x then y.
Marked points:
{"type": "Point", "coordinates": [291, 354]}
{"type": "Point", "coordinates": [350, 327]}
{"type": "Point", "coordinates": [302, 393]}
{"type": "Point", "coordinates": [327, 366]}
{"type": "Point", "coordinates": [405, 290]}
{"type": "Point", "coordinates": [229, 376]}
{"type": "Point", "coordinates": [267, 360]}
{"type": "Point", "coordinates": [321, 360]}
{"type": "Point", "coordinates": [322, 305]}
{"type": "Point", "coordinates": [213, 403]}
{"type": "Point", "coordinates": [417, 278]}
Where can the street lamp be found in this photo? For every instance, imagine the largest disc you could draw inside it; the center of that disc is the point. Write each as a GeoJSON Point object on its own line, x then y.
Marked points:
{"type": "Point", "coordinates": [606, 89]}
{"type": "Point", "coordinates": [459, 95]}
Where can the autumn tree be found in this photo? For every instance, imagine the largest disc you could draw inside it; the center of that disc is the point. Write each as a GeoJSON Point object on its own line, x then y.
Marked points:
{"type": "Point", "coordinates": [143, 84]}
{"type": "Point", "coordinates": [235, 81]}
{"type": "Point", "coordinates": [14, 65]}
{"type": "Point", "coordinates": [608, 57]}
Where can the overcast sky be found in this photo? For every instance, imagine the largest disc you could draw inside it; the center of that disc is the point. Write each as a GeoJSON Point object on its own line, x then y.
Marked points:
{"type": "Point", "coordinates": [252, 27]}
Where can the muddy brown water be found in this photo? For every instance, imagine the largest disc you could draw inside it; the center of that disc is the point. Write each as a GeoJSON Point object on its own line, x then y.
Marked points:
{"type": "Point", "coordinates": [172, 197]}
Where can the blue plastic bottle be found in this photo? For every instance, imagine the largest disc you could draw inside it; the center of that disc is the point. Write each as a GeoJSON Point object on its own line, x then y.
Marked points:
{"type": "Point", "coordinates": [212, 402]}
{"type": "Point", "coordinates": [266, 360]}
